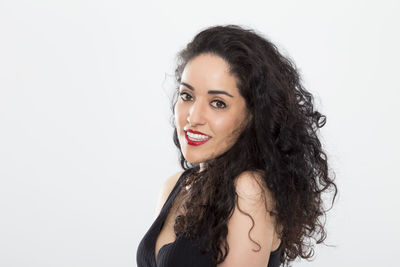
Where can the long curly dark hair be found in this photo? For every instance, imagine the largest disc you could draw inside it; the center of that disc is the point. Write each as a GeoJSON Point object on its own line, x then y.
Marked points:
{"type": "Point", "coordinates": [280, 143]}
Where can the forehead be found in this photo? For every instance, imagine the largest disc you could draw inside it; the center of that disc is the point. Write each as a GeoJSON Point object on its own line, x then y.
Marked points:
{"type": "Point", "coordinates": [210, 72]}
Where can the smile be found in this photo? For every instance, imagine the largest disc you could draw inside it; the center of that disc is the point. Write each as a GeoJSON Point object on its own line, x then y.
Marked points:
{"type": "Point", "coordinates": [196, 139]}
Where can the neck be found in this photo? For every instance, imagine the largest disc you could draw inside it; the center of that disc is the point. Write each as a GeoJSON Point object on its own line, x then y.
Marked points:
{"type": "Point", "coordinates": [201, 167]}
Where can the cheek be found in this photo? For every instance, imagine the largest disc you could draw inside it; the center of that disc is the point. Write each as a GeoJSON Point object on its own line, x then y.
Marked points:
{"type": "Point", "coordinates": [179, 118]}
{"type": "Point", "coordinates": [225, 126]}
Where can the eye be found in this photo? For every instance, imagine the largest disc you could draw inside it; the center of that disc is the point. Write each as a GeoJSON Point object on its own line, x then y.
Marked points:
{"type": "Point", "coordinates": [219, 104]}
{"type": "Point", "coordinates": [184, 96]}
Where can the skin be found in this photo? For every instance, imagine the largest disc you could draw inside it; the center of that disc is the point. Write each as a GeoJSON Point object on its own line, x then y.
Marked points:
{"type": "Point", "coordinates": [217, 115]}
{"type": "Point", "coordinates": [223, 118]}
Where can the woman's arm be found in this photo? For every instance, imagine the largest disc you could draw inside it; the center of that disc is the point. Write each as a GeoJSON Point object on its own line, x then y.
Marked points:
{"type": "Point", "coordinates": [249, 187]}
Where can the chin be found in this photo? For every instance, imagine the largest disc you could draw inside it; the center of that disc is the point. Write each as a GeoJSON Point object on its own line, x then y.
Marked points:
{"type": "Point", "coordinates": [192, 158]}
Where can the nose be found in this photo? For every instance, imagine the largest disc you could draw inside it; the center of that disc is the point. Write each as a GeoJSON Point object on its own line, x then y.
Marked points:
{"type": "Point", "coordinates": [196, 114]}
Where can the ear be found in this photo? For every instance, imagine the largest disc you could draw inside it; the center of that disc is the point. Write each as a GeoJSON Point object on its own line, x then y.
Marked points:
{"type": "Point", "coordinates": [249, 118]}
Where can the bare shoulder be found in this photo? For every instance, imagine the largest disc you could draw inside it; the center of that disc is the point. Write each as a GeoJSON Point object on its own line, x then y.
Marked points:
{"type": "Point", "coordinates": [251, 189]}
{"type": "Point", "coordinates": [166, 189]}
{"type": "Point", "coordinates": [250, 182]}
{"type": "Point", "coordinates": [251, 229]}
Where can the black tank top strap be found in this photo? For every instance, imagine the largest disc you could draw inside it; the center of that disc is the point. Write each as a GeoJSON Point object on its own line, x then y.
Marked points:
{"type": "Point", "coordinates": [173, 194]}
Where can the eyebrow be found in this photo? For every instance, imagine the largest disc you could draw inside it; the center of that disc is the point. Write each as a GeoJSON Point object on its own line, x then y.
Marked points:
{"type": "Point", "coordinates": [214, 92]}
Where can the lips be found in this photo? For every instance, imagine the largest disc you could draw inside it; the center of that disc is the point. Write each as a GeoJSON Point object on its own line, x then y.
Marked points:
{"type": "Point", "coordinates": [196, 142]}
{"type": "Point", "coordinates": [196, 132]}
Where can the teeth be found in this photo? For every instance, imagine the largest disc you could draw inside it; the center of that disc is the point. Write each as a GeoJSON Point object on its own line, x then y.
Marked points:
{"type": "Point", "coordinates": [197, 137]}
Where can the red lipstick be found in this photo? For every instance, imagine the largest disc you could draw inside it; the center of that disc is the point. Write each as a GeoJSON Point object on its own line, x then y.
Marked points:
{"type": "Point", "coordinates": [196, 132]}
{"type": "Point", "coordinates": [195, 143]}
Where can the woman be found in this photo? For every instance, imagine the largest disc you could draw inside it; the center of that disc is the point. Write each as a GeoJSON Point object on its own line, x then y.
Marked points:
{"type": "Point", "coordinates": [254, 168]}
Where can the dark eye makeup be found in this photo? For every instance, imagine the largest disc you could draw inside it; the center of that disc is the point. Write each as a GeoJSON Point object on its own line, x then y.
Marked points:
{"type": "Point", "coordinates": [219, 104]}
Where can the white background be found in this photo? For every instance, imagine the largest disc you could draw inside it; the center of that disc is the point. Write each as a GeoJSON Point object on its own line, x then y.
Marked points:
{"type": "Point", "coordinates": [85, 139]}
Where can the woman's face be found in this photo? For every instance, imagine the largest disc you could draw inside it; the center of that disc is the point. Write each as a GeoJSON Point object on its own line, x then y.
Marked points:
{"type": "Point", "coordinates": [210, 103]}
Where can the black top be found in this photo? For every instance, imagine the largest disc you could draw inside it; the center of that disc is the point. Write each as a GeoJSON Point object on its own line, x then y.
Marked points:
{"type": "Point", "coordinates": [182, 252]}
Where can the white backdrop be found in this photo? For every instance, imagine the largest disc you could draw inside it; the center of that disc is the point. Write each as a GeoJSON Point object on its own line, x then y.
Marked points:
{"type": "Point", "coordinates": [85, 140]}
